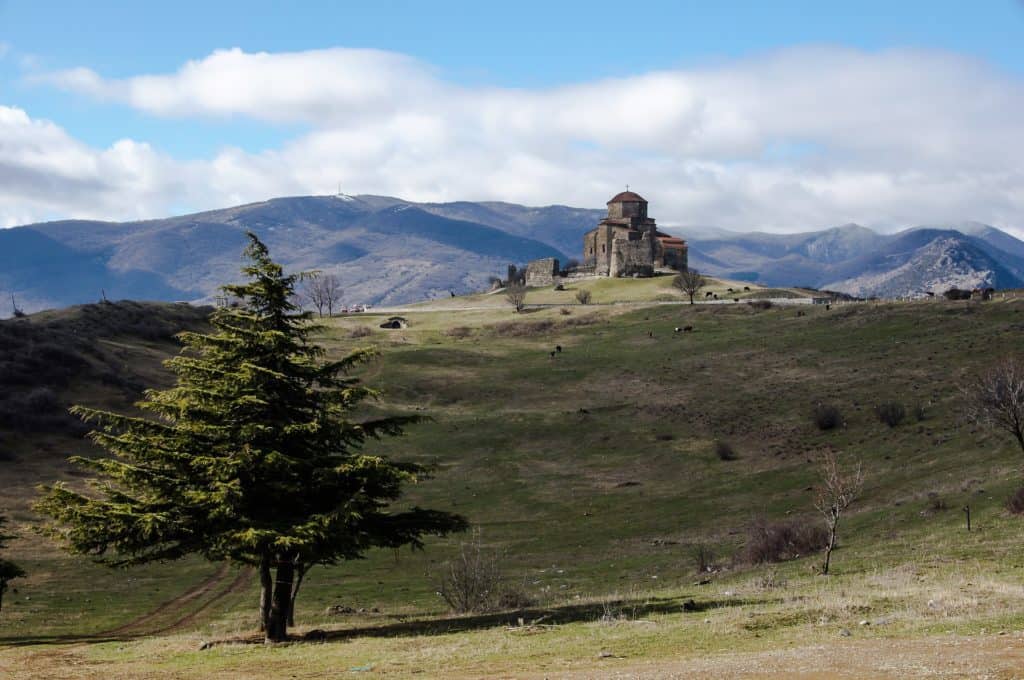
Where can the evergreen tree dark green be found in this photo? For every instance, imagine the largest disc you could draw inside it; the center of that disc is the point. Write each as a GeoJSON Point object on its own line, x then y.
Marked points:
{"type": "Point", "coordinates": [8, 570]}
{"type": "Point", "coordinates": [253, 457]}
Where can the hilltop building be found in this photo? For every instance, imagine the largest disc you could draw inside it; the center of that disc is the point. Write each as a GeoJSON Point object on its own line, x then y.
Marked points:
{"type": "Point", "coordinates": [628, 242]}
{"type": "Point", "coordinates": [625, 243]}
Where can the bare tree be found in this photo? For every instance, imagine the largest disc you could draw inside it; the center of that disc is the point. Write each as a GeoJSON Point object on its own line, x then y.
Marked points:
{"type": "Point", "coordinates": [995, 399]}
{"type": "Point", "coordinates": [689, 282]}
{"type": "Point", "coordinates": [515, 291]}
{"type": "Point", "coordinates": [323, 292]}
{"type": "Point", "coordinates": [836, 492]}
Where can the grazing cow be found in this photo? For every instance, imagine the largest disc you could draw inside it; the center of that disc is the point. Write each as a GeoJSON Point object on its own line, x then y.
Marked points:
{"type": "Point", "coordinates": [687, 329]}
{"type": "Point", "coordinates": [558, 348]}
{"type": "Point", "coordinates": [800, 312]}
{"type": "Point", "coordinates": [708, 294]}
{"type": "Point", "coordinates": [716, 296]}
{"type": "Point", "coordinates": [730, 290]}
{"type": "Point", "coordinates": [746, 287]}
{"type": "Point", "coordinates": [828, 307]}
{"type": "Point", "coordinates": [735, 299]}
{"type": "Point", "coordinates": [552, 355]}
{"type": "Point", "coordinates": [676, 329]}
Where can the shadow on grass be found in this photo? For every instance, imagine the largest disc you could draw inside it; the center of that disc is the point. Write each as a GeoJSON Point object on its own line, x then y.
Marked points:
{"type": "Point", "coordinates": [614, 609]}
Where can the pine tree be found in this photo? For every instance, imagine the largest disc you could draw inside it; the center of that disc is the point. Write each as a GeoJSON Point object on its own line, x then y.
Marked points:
{"type": "Point", "coordinates": [252, 457]}
{"type": "Point", "coordinates": [8, 570]}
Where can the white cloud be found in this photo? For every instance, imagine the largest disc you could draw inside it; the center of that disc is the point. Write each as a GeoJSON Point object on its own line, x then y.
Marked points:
{"type": "Point", "coordinates": [797, 139]}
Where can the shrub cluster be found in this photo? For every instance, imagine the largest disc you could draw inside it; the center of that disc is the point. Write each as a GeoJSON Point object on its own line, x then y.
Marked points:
{"type": "Point", "coordinates": [957, 294]}
{"type": "Point", "coordinates": [583, 296]}
{"type": "Point", "coordinates": [891, 413]}
{"type": "Point", "coordinates": [826, 416]}
{"type": "Point", "coordinates": [779, 541]}
{"type": "Point", "coordinates": [725, 451]}
{"type": "Point", "coordinates": [473, 582]}
{"type": "Point", "coordinates": [760, 304]}
{"type": "Point", "coordinates": [1015, 503]}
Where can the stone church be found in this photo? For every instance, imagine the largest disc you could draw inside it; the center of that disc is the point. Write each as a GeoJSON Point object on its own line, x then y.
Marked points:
{"type": "Point", "coordinates": [628, 242]}
{"type": "Point", "coordinates": [625, 243]}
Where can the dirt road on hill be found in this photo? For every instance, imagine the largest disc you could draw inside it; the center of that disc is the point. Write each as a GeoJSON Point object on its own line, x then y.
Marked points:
{"type": "Point", "coordinates": [154, 622]}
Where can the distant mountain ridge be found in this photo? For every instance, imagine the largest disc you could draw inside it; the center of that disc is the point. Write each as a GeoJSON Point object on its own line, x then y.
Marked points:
{"type": "Point", "coordinates": [390, 251]}
{"type": "Point", "coordinates": [859, 261]}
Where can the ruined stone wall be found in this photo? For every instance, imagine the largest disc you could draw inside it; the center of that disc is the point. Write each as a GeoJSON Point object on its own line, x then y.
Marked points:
{"type": "Point", "coordinates": [542, 272]}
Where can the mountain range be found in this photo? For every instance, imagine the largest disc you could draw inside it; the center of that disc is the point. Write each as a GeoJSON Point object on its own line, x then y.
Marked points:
{"type": "Point", "coordinates": [390, 251]}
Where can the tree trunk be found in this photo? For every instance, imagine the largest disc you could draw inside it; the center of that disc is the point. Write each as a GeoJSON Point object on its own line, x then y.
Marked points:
{"type": "Point", "coordinates": [691, 298]}
{"type": "Point", "coordinates": [830, 547]}
{"type": "Point", "coordinates": [277, 624]}
{"type": "Point", "coordinates": [301, 570]}
{"type": "Point", "coordinates": [266, 588]}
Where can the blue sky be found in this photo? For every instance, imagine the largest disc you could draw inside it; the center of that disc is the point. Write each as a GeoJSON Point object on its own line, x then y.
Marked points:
{"type": "Point", "coordinates": [477, 48]}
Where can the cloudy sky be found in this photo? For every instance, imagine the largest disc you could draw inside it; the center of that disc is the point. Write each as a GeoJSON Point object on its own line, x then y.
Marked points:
{"type": "Point", "coordinates": [773, 116]}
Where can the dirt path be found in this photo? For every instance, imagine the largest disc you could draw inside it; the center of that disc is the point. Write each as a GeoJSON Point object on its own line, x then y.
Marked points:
{"type": "Point", "coordinates": [142, 625]}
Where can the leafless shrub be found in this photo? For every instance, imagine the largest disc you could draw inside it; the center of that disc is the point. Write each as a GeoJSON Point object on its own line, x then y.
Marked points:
{"type": "Point", "coordinates": [836, 492]}
{"type": "Point", "coordinates": [995, 399]}
{"type": "Point", "coordinates": [934, 504]}
{"type": "Point", "coordinates": [1015, 503]}
{"type": "Point", "coordinates": [779, 541]}
{"type": "Point", "coordinates": [583, 296]}
{"type": "Point", "coordinates": [472, 582]}
{"type": "Point", "coordinates": [826, 416]}
{"type": "Point", "coordinates": [516, 294]}
{"type": "Point", "coordinates": [770, 580]}
{"type": "Point", "coordinates": [891, 413]}
{"type": "Point", "coordinates": [565, 311]}
{"type": "Point", "coordinates": [725, 451]}
{"type": "Point", "coordinates": [703, 558]}
{"type": "Point", "coordinates": [360, 332]}
{"type": "Point", "coordinates": [514, 596]}
{"type": "Point", "coordinates": [459, 332]}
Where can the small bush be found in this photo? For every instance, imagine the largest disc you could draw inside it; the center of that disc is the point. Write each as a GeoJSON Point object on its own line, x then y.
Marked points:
{"type": "Point", "coordinates": [725, 451]}
{"type": "Point", "coordinates": [564, 311]}
{"type": "Point", "coordinates": [827, 416]}
{"type": "Point", "coordinates": [703, 558]}
{"type": "Point", "coordinates": [360, 332]}
{"type": "Point", "coordinates": [779, 541]}
{"type": "Point", "coordinates": [583, 296]}
{"type": "Point", "coordinates": [472, 582]}
{"type": "Point", "coordinates": [514, 597]}
{"type": "Point", "coordinates": [760, 304]}
{"type": "Point", "coordinates": [459, 332]}
{"type": "Point", "coordinates": [891, 413]}
{"type": "Point", "coordinates": [1015, 503]}
{"type": "Point", "coordinates": [957, 294]}
{"type": "Point", "coordinates": [934, 504]}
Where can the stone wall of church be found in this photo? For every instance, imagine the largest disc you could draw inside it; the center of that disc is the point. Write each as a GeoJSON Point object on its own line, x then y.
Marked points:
{"type": "Point", "coordinates": [633, 257]}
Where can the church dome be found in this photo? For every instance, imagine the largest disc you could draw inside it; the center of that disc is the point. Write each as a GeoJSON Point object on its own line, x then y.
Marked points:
{"type": "Point", "coordinates": [627, 197]}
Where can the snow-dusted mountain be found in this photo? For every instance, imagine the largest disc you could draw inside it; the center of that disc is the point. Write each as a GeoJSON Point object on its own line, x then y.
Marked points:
{"type": "Point", "coordinates": [859, 261]}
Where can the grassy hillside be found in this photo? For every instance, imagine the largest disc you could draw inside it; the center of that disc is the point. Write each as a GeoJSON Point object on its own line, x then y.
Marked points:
{"type": "Point", "coordinates": [594, 473]}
